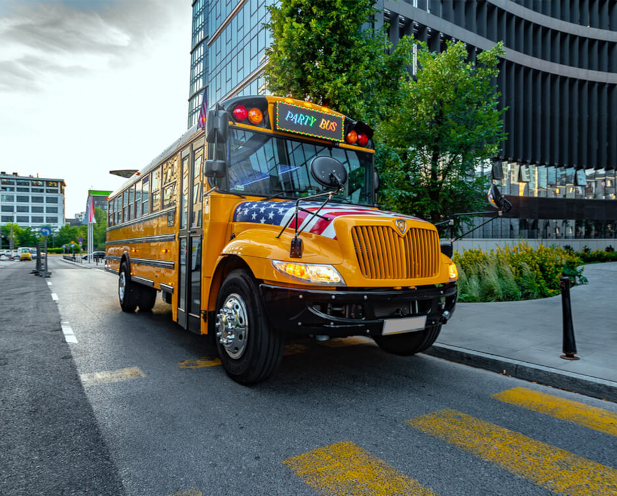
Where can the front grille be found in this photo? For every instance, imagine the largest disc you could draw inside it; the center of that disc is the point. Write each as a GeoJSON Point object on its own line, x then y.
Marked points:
{"type": "Point", "coordinates": [383, 254]}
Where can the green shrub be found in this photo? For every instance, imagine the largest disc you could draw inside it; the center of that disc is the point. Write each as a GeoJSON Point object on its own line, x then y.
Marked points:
{"type": "Point", "coordinates": [516, 272]}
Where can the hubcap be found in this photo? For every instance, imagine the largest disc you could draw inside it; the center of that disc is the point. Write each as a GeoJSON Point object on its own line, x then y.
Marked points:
{"type": "Point", "coordinates": [121, 286]}
{"type": "Point", "coordinates": [232, 326]}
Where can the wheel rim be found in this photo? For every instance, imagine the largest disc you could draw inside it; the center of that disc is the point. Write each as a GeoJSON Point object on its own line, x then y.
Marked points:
{"type": "Point", "coordinates": [121, 286]}
{"type": "Point", "coordinates": [232, 326]}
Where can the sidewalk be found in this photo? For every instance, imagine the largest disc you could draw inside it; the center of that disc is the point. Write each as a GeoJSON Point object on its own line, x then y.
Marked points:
{"type": "Point", "coordinates": [524, 338]}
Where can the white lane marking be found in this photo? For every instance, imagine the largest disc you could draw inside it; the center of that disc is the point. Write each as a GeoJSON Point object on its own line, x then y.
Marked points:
{"type": "Point", "coordinates": [69, 336]}
{"type": "Point", "coordinates": [48, 283]}
{"type": "Point", "coordinates": [54, 296]}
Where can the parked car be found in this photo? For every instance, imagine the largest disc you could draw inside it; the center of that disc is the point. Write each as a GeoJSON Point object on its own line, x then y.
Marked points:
{"type": "Point", "coordinates": [24, 254]}
{"type": "Point", "coordinates": [96, 256]}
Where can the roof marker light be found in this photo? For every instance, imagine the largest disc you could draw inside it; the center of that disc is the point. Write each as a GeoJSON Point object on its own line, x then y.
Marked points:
{"type": "Point", "coordinates": [351, 137]}
{"type": "Point", "coordinates": [240, 113]}
{"type": "Point", "coordinates": [255, 116]}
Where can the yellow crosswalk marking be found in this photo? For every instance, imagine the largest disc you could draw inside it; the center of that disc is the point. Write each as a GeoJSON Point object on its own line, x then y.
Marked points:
{"type": "Point", "coordinates": [294, 349]}
{"type": "Point", "coordinates": [342, 342]}
{"type": "Point", "coordinates": [193, 491]}
{"type": "Point", "coordinates": [199, 363]}
{"type": "Point", "coordinates": [346, 469]}
{"type": "Point", "coordinates": [110, 376]}
{"type": "Point", "coordinates": [545, 465]}
{"type": "Point", "coordinates": [572, 411]}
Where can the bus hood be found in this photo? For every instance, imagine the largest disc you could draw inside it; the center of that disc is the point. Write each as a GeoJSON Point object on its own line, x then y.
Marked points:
{"type": "Point", "coordinates": [279, 213]}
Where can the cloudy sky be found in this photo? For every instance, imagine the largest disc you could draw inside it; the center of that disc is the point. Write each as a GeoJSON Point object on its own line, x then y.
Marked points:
{"type": "Point", "coordinates": [88, 86]}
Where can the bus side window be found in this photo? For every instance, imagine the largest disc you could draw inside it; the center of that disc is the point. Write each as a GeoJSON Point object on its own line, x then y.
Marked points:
{"type": "Point", "coordinates": [125, 205]}
{"type": "Point", "coordinates": [156, 186]}
{"type": "Point", "coordinates": [170, 176]}
{"type": "Point", "coordinates": [131, 208]}
{"type": "Point", "coordinates": [138, 199]}
{"type": "Point", "coordinates": [110, 213]}
{"type": "Point", "coordinates": [145, 195]}
{"type": "Point", "coordinates": [118, 209]}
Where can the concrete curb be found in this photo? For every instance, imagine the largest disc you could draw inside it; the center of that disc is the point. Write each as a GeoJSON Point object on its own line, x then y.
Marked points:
{"type": "Point", "coordinates": [578, 383]}
{"type": "Point", "coordinates": [83, 266]}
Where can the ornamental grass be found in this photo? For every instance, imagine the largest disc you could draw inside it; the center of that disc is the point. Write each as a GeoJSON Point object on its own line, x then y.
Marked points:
{"type": "Point", "coordinates": [517, 272]}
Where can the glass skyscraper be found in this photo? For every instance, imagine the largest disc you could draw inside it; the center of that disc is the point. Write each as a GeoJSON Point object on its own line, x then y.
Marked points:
{"type": "Point", "coordinates": [228, 51]}
{"type": "Point", "coordinates": [558, 79]}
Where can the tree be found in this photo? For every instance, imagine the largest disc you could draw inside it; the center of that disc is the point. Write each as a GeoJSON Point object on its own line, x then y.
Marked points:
{"type": "Point", "coordinates": [100, 228]}
{"type": "Point", "coordinates": [321, 53]}
{"type": "Point", "coordinates": [448, 125]}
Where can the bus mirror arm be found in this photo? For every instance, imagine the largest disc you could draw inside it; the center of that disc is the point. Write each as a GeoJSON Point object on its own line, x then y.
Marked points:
{"type": "Point", "coordinates": [295, 250]}
{"type": "Point", "coordinates": [211, 190]}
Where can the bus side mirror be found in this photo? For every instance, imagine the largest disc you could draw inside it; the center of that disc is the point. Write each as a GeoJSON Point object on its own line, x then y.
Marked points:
{"type": "Point", "coordinates": [376, 181]}
{"type": "Point", "coordinates": [497, 200]}
{"type": "Point", "coordinates": [329, 172]}
{"type": "Point", "coordinates": [217, 126]}
{"type": "Point", "coordinates": [215, 168]}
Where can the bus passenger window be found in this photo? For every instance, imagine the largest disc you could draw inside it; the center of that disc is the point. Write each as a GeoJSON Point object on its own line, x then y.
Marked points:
{"type": "Point", "coordinates": [145, 195]}
{"type": "Point", "coordinates": [131, 209]}
{"type": "Point", "coordinates": [197, 188]}
{"type": "Point", "coordinates": [125, 205]}
{"type": "Point", "coordinates": [138, 199]}
{"type": "Point", "coordinates": [156, 186]}
{"type": "Point", "coordinates": [118, 209]}
{"type": "Point", "coordinates": [170, 176]}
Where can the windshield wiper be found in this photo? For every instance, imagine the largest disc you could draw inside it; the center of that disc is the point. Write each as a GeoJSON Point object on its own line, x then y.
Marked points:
{"type": "Point", "coordinates": [280, 195]}
{"type": "Point", "coordinates": [232, 193]}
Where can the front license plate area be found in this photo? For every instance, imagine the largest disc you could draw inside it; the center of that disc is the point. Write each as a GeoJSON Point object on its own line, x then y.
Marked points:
{"type": "Point", "coordinates": [410, 324]}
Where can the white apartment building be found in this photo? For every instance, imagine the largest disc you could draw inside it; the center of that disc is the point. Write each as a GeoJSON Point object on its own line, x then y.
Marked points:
{"type": "Point", "coordinates": [31, 201]}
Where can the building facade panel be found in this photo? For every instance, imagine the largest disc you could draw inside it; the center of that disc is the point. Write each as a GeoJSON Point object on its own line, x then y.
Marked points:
{"type": "Point", "coordinates": [558, 80]}
{"type": "Point", "coordinates": [31, 201]}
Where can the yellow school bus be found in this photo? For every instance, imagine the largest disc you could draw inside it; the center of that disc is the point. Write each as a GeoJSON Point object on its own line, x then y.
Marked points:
{"type": "Point", "coordinates": [264, 224]}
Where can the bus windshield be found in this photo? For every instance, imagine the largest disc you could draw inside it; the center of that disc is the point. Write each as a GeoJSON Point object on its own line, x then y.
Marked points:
{"type": "Point", "coordinates": [266, 165]}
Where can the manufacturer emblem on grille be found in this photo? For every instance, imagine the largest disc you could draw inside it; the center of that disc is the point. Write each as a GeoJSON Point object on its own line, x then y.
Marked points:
{"type": "Point", "coordinates": [402, 225]}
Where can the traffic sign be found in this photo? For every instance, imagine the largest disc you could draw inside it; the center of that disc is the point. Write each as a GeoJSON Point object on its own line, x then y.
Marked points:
{"type": "Point", "coordinates": [80, 239]}
{"type": "Point", "coordinates": [46, 231]}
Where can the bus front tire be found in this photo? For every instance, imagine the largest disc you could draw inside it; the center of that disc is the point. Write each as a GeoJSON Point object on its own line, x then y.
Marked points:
{"type": "Point", "coordinates": [250, 351]}
{"type": "Point", "coordinates": [127, 291]}
{"type": "Point", "coordinates": [409, 343]}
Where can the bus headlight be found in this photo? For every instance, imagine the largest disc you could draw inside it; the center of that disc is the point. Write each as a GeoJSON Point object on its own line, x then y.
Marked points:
{"type": "Point", "coordinates": [453, 272]}
{"type": "Point", "coordinates": [313, 273]}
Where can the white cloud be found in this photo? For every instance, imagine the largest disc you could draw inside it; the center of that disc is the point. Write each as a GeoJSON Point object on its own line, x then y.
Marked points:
{"type": "Point", "coordinates": [88, 87]}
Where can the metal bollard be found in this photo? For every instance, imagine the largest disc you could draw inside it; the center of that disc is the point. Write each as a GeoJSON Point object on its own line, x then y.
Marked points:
{"type": "Point", "coordinates": [569, 344]}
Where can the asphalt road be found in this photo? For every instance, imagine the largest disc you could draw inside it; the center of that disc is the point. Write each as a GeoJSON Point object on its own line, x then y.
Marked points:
{"type": "Point", "coordinates": [160, 417]}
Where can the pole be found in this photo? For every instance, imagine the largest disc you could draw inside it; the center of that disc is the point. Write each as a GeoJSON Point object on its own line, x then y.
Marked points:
{"type": "Point", "coordinates": [569, 344]}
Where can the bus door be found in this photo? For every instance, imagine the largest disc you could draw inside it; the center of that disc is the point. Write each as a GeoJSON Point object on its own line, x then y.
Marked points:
{"type": "Point", "coordinates": [191, 238]}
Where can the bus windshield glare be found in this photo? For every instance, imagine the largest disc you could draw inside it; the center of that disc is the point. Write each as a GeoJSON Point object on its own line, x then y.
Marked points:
{"type": "Point", "coordinates": [265, 165]}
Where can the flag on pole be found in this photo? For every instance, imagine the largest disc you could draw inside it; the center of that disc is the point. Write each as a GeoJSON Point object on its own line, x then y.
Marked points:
{"type": "Point", "coordinates": [203, 111]}
{"type": "Point", "coordinates": [90, 209]}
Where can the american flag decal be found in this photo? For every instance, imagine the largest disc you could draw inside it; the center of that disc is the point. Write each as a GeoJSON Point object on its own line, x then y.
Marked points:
{"type": "Point", "coordinates": [278, 213]}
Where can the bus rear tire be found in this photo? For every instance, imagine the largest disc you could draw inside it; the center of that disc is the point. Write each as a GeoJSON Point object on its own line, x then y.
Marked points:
{"type": "Point", "coordinates": [127, 290]}
{"type": "Point", "coordinates": [147, 298]}
{"type": "Point", "coordinates": [409, 343]}
{"type": "Point", "coordinates": [249, 349]}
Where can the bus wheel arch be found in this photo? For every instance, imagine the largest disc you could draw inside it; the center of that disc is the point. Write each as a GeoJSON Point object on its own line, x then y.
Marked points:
{"type": "Point", "coordinates": [226, 265]}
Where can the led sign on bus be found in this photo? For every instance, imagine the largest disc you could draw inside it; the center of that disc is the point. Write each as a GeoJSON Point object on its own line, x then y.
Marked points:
{"type": "Point", "coordinates": [310, 122]}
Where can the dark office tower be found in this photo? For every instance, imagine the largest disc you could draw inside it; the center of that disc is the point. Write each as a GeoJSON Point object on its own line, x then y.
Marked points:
{"type": "Point", "coordinates": [558, 80]}
{"type": "Point", "coordinates": [228, 51]}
